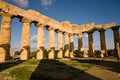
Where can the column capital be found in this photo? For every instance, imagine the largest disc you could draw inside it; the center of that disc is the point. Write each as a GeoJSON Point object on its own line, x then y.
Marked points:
{"type": "Point", "coordinates": [115, 28]}
{"type": "Point", "coordinates": [6, 14]}
{"type": "Point", "coordinates": [101, 30]}
{"type": "Point", "coordinates": [90, 32]}
{"type": "Point", "coordinates": [25, 20]}
{"type": "Point", "coordinates": [79, 34]}
{"type": "Point", "coordinates": [59, 31]}
{"type": "Point", "coordinates": [40, 25]}
{"type": "Point", "coordinates": [50, 29]}
{"type": "Point", "coordinates": [65, 33]}
{"type": "Point", "coordinates": [71, 34]}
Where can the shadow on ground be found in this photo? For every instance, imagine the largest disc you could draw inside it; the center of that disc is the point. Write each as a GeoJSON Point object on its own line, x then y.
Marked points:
{"type": "Point", "coordinates": [9, 64]}
{"type": "Point", "coordinates": [56, 70]}
{"type": "Point", "coordinates": [106, 64]}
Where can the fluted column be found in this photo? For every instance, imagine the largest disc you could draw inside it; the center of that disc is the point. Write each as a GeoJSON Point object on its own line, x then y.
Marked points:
{"type": "Point", "coordinates": [116, 40]}
{"type": "Point", "coordinates": [60, 49]}
{"type": "Point", "coordinates": [66, 45]}
{"type": "Point", "coordinates": [71, 46]}
{"type": "Point", "coordinates": [90, 43]}
{"type": "Point", "coordinates": [40, 41]}
{"type": "Point", "coordinates": [80, 44]}
{"type": "Point", "coordinates": [51, 46]}
{"type": "Point", "coordinates": [5, 37]}
{"type": "Point", "coordinates": [103, 43]}
{"type": "Point", "coordinates": [25, 44]}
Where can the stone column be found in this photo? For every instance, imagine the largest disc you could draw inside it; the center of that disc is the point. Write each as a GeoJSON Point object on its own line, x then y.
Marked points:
{"type": "Point", "coordinates": [5, 37]}
{"type": "Point", "coordinates": [66, 45]}
{"type": "Point", "coordinates": [90, 43]}
{"type": "Point", "coordinates": [51, 46]}
{"type": "Point", "coordinates": [60, 49]}
{"type": "Point", "coordinates": [71, 46]}
{"type": "Point", "coordinates": [103, 43]}
{"type": "Point", "coordinates": [40, 41]}
{"type": "Point", "coordinates": [80, 44]}
{"type": "Point", "coordinates": [25, 44]}
{"type": "Point", "coordinates": [116, 40]}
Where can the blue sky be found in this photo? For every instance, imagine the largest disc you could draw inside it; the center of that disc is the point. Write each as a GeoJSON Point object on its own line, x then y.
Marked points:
{"type": "Point", "coordinates": [76, 11]}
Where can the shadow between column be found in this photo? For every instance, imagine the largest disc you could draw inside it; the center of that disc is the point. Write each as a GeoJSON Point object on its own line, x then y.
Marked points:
{"type": "Point", "coordinates": [56, 70]}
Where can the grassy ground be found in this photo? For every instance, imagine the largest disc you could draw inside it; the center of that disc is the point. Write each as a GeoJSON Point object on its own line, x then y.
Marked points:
{"type": "Point", "coordinates": [42, 69]}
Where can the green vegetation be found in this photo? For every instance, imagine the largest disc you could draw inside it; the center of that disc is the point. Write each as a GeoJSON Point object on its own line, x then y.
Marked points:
{"type": "Point", "coordinates": [46, 70]}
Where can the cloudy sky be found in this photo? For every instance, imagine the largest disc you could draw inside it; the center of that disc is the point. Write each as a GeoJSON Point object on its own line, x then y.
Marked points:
{"type": "Point", "coordinates": [76, 11]}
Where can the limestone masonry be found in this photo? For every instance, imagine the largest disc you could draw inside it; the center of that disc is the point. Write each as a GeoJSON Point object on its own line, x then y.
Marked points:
{"type": "Point", "coordinates": [8, 12]}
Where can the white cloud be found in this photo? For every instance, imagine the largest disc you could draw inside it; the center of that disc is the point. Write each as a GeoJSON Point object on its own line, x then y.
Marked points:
{"type": "Point", "coordinates": [21, 3]}
{"type": "Point", "coordinates": [46, 2]}
{"type": "Point", "coordinates": [34, 38]}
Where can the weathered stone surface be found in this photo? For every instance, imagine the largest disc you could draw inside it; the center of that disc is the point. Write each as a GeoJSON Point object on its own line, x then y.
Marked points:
{"type": "Point", "coordinates": [51, 46]}
{"type": "Point", "coordinates": [40, 41]}
{"type": "Point", "coordinates": [90, 43]}
{"type": "Point", "coordinates": [60, 49]}
{"type": "Point", "coordinates": [103, 42]}
{"type": "Point", "coordinates": [5, 37]}
{"type": "Point", "coordinates": [71, 46]}
{"type": "Point", "coordinates": [80, 44]}
{"type": "Point", "coordinates": [25, 44]}
{"type": "Point", "coordinates": [116, 40]}
{"type": "Point", "coordinates": [7, 11]}
{"type": "Point", "coordinates": [66, 45]}
{"type": "Point", "coordinates": [85, 54]}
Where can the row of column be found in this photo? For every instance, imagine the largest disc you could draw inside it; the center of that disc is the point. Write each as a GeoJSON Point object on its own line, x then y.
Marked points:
{"type": "Point", "coordinates": [25, 46]}
{"type": "Point", "coordinates": [5, 37]}
{"type": "Point", "coordinates": [103, 42]}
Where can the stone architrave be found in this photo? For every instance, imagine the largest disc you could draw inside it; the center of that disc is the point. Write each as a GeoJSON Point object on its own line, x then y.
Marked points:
{"type": "Point", "coordinates": [25, 43]}
{"type": "Point", "coordinates": [90, 43]}
{"type": "Point", "coordinates": [51, 46]}
{"type": "Point", "coordinates": [103, 43]}
{"type": "Point", "coordinates": [66, 45]}
{"type": "Point", "coordinates": [40, 41]}
{"type": "Point", "coordinates": [71, 46]}
{"type": "Point", "coordinates": [5, 37]}
{"type": "Point", "coordinates": [116, 40]}
{"type": "Point", "coordinates": [60, 49]}
{"type": "Point", "coordinates": [80, 44]}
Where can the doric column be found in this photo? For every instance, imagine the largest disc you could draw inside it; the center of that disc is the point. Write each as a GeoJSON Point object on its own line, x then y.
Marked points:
{"type": "Point", "coordinates": [66, 45]}
{"type": "Point", "coordinates": [25, 44]}
{"type": "Point", "coordinates": [60, 49]}
{"type": "Point", "coordinates": [5, 37]}
{"type": "Point", "coordinates": [71, 46]}
{"type": "Point", "coordinates": [116, 40]}
{"type": "Point", "coordinates": [90, 43]}
{"type": "Point", "coordinates": [40, 41]}
{"type": "Point", "coordinates": [103, 43]}
{"type": "Point", "coordinates": [51, 46]}
{"type": "Point", "coordinates": [80, 44]}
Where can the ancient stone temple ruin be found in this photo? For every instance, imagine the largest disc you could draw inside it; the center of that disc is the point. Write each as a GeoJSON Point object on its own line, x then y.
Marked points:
{"type": "Point", "coordinates": [8, 12]}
